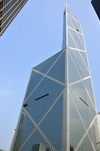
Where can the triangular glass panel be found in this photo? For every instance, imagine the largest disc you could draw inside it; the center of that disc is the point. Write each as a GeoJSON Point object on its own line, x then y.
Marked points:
{"type": "Point", "coordinates": [78, 60]}
{"type": "Point", "coordinates": [77, 39]}
{"type": "Point", "coordinates": [58, 69]}
{"type": "Point", "coordinates": [70, 23]}
{"type": "Point", "coordinates": [28, 128]}
{"type": "Point", "coordinates": [70, 12]}
{"type": "Point", "coordinates": [83, 54]}
{"type": "Point", "coordinates": [82, 40]}
{"type": "Point", "coordinates": [92, 134]}
{"type": "Point", "coordinates": [71, 42]}
{"type": "Point", "coordinates": [52, 125]}
{"type": "Point", "coordinates": [44, 66]}
{"type": "Point", "coordinates": [74, 24]}
{"type": "Point", "coordinates": [89, 88]}
{"type": "Point", "coordinates": [33, 82]}
{"type": "Point", "coordinates": [72, 69]}
{"type": "Point", "coordinates": [86, 145]}
{"type": "Point", "coordinates": [42, 98]}
{"type": "Point", "coordinates": [83, 103]}
{"type": "Point", "coordinates": [92, 111]}
{"type": "Point", "coordinates": [77, 129]}
{"type": "Point", "coordinates": [24, 130]}
{"type": "Point", "coordinates": [36, 143]}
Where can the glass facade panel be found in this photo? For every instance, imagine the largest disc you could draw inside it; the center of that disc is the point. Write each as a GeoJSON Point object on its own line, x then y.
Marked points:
{"type": "Point", "coordinates": [28, 128]}
{"type": "Point", "coordinates": [71, 13]}
{"type": "Point", "coordinates": [77, 39]}
{"type": "Point", "coordinates": [33, 82]}
{"type": "Point", "coordinates": [58, 69]}
{"type": "Point", "coordinates": [81, 39]}
{"type": "Point", "coordinates": [24, 130]}
{"type": "Point", "coordinates": [79, 63]}
{"type": "Point", "coordinates": [72, 69]}
{"type": "Point", "coordinates": [69, 22]}
{"type": "Point", "coordinates": [46, 65]}
{"type": "Point", "coordinates": [36, 143]}
{"type": "Point", "coordinates": [71, 41]}
{"type": "Point", "coordinates": [83, 103]}
{"type": "Point", "coordinates": [89, 88]}
{"type": "Point", "coordinates": [38, 108]}
{"type": "Point", "coordinates": [77, 129]}
{"type": "Point", "coordinates": [52, 125]}
{"type": "Point", "coordinates": [83, 54]}
{"type": "Point", "coordinates": [86, 145]}
{"type": "Point", "coordinates": [83, 110]}
{"type": "Point", "coordinates": [74, 24]}
{"type": "Point", "coordinates": [92, 135]}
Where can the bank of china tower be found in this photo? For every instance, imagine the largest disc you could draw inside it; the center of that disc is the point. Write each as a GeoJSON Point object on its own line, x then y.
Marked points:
{"type": "Point", "coordinates": [58, 111]}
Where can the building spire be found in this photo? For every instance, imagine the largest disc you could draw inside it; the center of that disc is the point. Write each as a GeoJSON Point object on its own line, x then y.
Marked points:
{"type": "Point", "coordinates": [64, 42]}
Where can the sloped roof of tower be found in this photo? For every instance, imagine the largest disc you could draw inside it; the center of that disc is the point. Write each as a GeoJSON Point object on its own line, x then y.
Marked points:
{"type": "Point", "coordinates": [69, 20]}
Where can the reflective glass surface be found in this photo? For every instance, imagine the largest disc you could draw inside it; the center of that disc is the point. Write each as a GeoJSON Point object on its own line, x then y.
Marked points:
{"type": "Point", "coordinates": [73, 23]}
{"type": "Point", "coordinates": [83, 103]}
{"type": "Point", "coordinates": [58, 69]}
{"type": "Point", "coordinates": [77, 129]}
{"type": "Point", "coordinates": [89, 88]}
{"type": "Point", "coordinates": [92, 134]}
{"type": "Point", "coordinates": [77, 39]}
{"type": "Point", "coordinates": [69, 22]}
{"type": "Point", "coordinates": [36, 143]}
{"type": "Point", "coordinates": [72, 69]}
{"type": "Point", "coordinates": [83, 54]}
{"type": "Point", "coordinates": [52, 125]}
{"type": "Point", "coordinates": [71, 41]}
{"type": "Point", "coordinates": [79, 62]}
{"type": "Point", "coordinates": [81, 39]}
{"type": "Point", "coordinates": [70, 12]}
{"type": "Point", "coordinates": [86, 145]}
{"type": "Point", "coordinates": [33, 82]}
{"type": "Point", "coordinates": [24, 130]}
{"type": "Point", "coordinates": [45, 66]}
{"type": "Point", "coordinates": [37, 109]}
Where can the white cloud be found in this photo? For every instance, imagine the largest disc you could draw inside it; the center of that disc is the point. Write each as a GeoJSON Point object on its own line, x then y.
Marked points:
{"type": "Point", "coordinates": [5, 94]}
{"type": "Point", "coordinates": [7, 89]}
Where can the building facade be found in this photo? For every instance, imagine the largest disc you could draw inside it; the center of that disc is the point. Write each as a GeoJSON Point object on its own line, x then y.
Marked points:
{"type": "Point", "coordinates": [96, 5]}
{"type": "Point", "coordinates": [98, 133]}
{"type": "Point", "coordinates": [58, 111]}
{"type": "Point", "coordinates": [8, 11]}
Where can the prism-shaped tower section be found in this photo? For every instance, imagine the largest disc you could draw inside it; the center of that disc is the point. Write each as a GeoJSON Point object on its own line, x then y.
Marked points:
{"type": "Point", "coordinates": [58, 111]}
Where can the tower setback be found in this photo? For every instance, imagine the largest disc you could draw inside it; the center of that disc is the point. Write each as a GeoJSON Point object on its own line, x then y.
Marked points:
{"type": "Point", "coordinates": [58, 111]}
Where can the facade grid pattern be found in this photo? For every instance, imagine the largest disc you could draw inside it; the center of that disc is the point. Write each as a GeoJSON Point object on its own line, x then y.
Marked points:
{"type": "Point", "coordinates": [8, 11]}
{"type": "Point", "coordinates": [58, 111]}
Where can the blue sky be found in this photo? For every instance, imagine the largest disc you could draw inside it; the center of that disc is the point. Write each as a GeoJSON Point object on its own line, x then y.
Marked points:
{"type": "Point", "coordinates": [33, 36]}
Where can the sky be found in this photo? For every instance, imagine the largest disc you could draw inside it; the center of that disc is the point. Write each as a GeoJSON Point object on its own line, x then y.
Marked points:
{"type": "Point", "coordinates": [34, 36]}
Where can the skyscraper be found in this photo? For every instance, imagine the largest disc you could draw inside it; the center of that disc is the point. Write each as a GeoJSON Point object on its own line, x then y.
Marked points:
{"type": "Point", "coordinates": [96, 5]}
{"type": "Point", "coordinates": [58, 111]}
{"type": "Point", "coordinates": [8, 11]}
